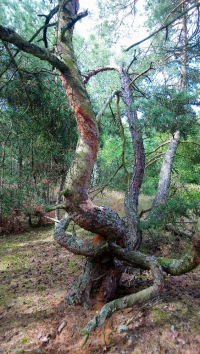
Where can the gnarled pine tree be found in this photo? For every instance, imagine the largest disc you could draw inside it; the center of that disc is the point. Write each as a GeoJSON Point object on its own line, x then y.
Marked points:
{"type": "Point", "coordinates": [115, 241]}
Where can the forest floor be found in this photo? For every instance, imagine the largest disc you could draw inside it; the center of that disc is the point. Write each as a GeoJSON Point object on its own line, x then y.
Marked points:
{"type": "Point", "coordinates": [35, 273]}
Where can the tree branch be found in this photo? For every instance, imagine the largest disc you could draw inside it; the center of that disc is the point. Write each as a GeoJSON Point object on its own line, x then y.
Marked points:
{"type": "Point", "coordinates": [151, 152]}
{"type": "Point", "coordinates": [46, 25]}
{"type": "Point", "coordinates": [45, 31]}
{"type": "Point", "coordinates": [190, 142]}
{"type": "Point", "coordinates": [72, 22]}
{"type": "Point", "coordinates": [96, 71]}
{"type": "Point", "coordinates": [19, 72]}
{"type": "Point", "coordinates": [102, 110]}
{"type": "Point", "coordinates": [11, 36]}
{"type": "Point", "coordinates": [87, 248]}
{"type": "Point", "coordinates": [164, 26]}
{"type": "Point", "coordinates": [137, 77]}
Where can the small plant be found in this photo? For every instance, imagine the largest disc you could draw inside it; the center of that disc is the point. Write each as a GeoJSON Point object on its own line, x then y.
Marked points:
{"type": "Point", "coordinates": [24, 340]}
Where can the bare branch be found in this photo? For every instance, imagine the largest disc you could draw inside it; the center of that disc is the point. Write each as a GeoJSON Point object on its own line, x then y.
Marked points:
{"type": "Point", "coordinates": [105, 185]}
{"type": "Point", "coordinates": [151, 163]}
{"type": "Point", "coordinates": [96, 71]}
{"type": "Point", "coordinates": [46, 25]}
{"type": "Point", "coordinates": [102, 110]}
{"type": "Point", "coordinates": [164, 26]}
{"type": "Point", "coordinates": [72, 22]}
{"type": "Point", "coordinates": [151, 152]}
{"type": "Point", "coordinates": [190, 142]}
{"type": "Point", "coordinates": [137, 77]}
{"type": "Point", "coordinates": [44, 35]}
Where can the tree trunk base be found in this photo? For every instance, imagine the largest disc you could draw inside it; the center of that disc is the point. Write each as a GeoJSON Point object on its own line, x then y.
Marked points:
{"type": "Point", "coordinates": [97, 283]}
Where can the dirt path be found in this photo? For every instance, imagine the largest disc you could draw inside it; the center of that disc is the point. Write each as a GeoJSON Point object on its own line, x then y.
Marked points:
{"type": "Point", "coordinates": [35, 273]}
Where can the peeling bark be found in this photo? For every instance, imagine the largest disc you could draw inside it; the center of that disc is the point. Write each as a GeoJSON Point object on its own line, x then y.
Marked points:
{"type": "Point", "coordinates": [99, 220]}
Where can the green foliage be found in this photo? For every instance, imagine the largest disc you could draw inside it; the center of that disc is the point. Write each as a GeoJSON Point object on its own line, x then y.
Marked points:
{"type": "Point", "coordinates": [168, 111]}
{"type": "Point", "coordinates": [43, 137]}
{"type": "Point", "coordinates": [184, 204]}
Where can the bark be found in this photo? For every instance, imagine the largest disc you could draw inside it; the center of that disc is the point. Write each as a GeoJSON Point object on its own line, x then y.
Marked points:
{"type": "Point", "coordinates": [98, 282]}
{"type": "Point", "coordinates": [156, 265]}
{"type": "Point", "coordinates": [165, 172]}
{"type": "Point", "coordinates": [100, 271]}
{"type": "Point", "coordinates": [99, 220]}
{"type": "Point", "coordinates": [129, 300]}
{"type": "Point", "coordinates": [94, 177]}
{"type": "Point", "coordinates": [133, 238]}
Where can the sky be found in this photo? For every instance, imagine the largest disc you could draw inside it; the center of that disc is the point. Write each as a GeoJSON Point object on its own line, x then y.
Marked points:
{"type": "Point", "coordinates": [86, 26]}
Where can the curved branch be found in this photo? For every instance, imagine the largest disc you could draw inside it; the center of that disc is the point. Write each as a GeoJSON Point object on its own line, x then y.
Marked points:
{"type": "Point", "coordinates": [46, 25]}
{"type": "Point", "coordinates": [137, 77]}
{"type": "Point", "coordinates": [96, 71]}
{"type": "Point", "coordinates": [171, 266]}
{"type": "Point", "coordinates": [87, 248]}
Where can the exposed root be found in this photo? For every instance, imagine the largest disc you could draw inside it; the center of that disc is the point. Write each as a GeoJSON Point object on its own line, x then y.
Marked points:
{"type": "Point", "coordinates": [129, 300]}
{"type": "Point", "coordinates": [171, 266]}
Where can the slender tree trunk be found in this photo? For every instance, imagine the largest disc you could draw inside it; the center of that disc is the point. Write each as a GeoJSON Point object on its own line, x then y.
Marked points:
{"type": "Point", "coordinates": [165, 172]}
{"type": "Point", "coordinates": [133, 238]}
{"type": "Point", "coordinates": [166, 168]}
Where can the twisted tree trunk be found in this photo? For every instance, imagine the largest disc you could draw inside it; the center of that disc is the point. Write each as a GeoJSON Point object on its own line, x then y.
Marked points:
{"type": "Point", "coordinates": [114, 241]}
